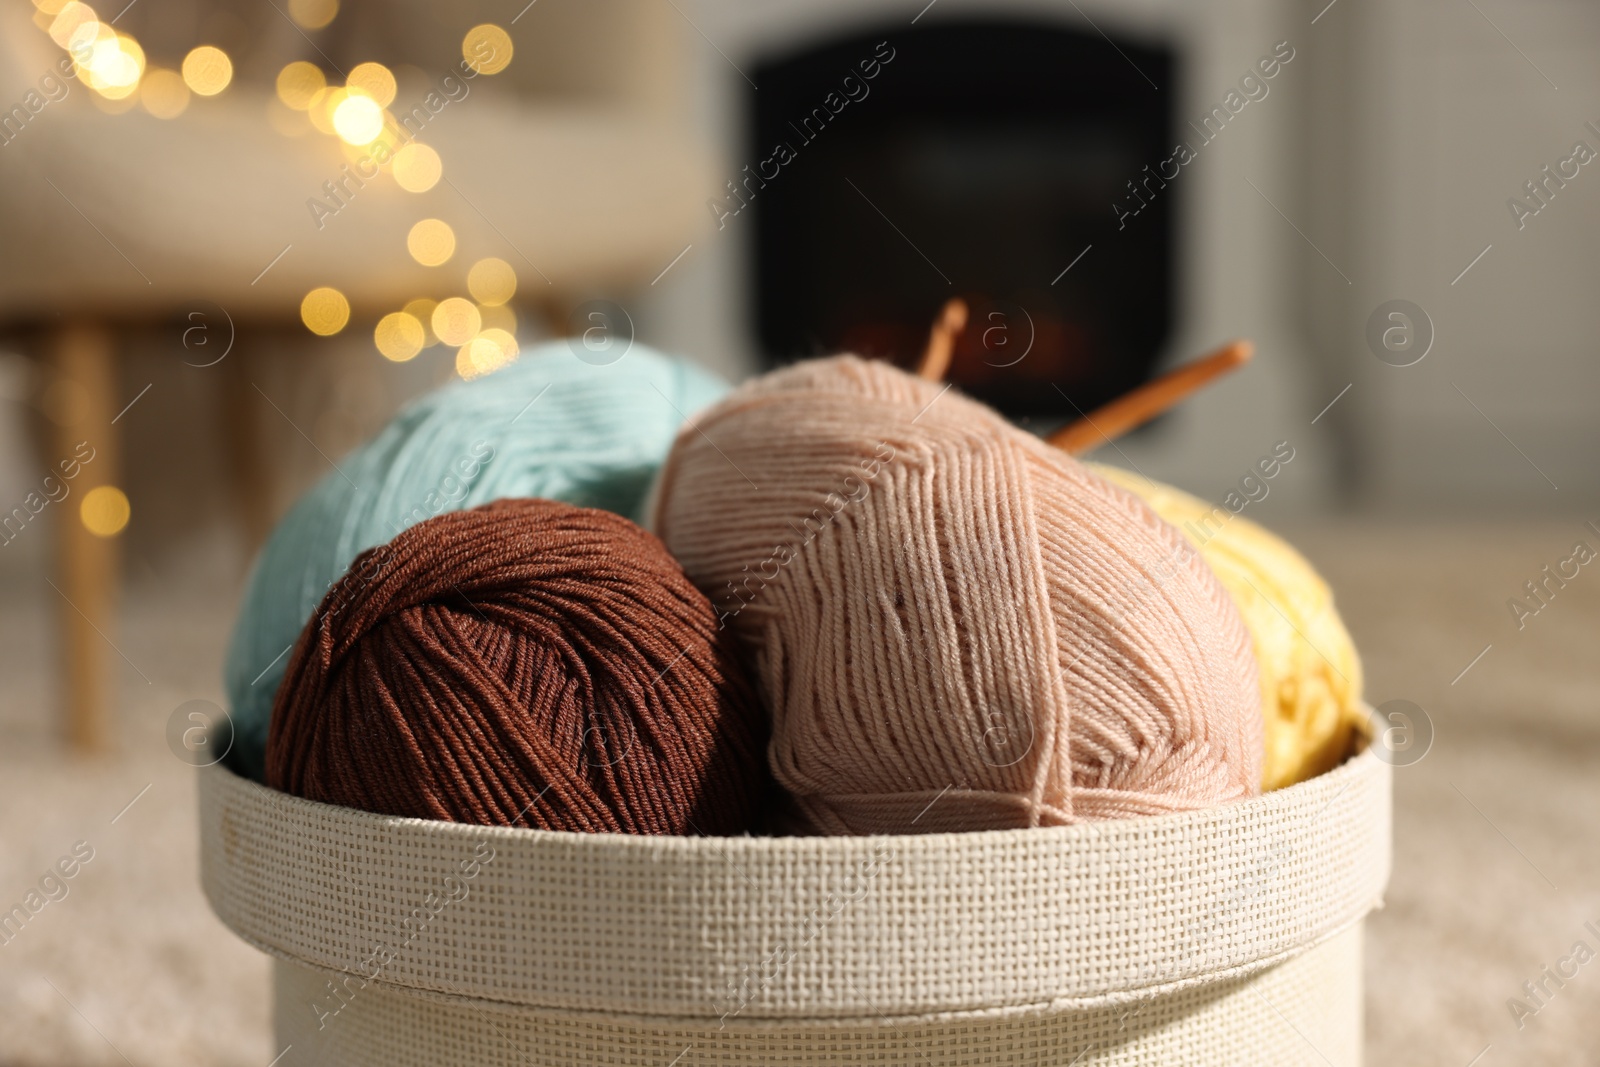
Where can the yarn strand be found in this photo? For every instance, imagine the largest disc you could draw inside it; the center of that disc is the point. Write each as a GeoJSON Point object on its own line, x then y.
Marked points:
{"type": "Point", "coordinates": [525, 662]}
{"type": "Point", "coordinates": [955, 625]}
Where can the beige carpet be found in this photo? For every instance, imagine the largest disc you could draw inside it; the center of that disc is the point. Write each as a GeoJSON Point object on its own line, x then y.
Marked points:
{"type": "Point", "coordinates": [1497, 829]}
{"type": "Point", "coordinates": [1497, 836]}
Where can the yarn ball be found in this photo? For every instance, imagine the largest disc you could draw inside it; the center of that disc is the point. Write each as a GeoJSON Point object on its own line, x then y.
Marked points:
{"type": "Point", "coordinates": [526, 662]}
{"type": "Point", "coordinates": [956, 626]}
{"type": "Point", "coordinates": [1310, 673]}
{"type": "Point", "coordinates": [548, 425]}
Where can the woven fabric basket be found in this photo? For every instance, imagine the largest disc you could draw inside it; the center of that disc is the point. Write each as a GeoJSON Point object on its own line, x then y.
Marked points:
{"type": "Point", "coordinates": [1225, 936]}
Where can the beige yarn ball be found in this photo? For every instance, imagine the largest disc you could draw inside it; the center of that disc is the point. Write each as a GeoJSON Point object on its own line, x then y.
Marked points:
{"type": "Point", "coordinates": [956, 626]}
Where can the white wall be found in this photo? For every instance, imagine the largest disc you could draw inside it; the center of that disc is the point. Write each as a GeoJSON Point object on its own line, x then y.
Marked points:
{"type": "Point", "coordinates": [1387, 148]}
{"type": "Point", "coordinates": [1435, 116]}
{"type": "Point", "coordinates": [1239, 258]}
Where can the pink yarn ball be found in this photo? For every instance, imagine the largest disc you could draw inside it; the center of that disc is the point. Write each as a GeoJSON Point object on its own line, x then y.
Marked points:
{"type": "Point", "coordinates": [956, 626]}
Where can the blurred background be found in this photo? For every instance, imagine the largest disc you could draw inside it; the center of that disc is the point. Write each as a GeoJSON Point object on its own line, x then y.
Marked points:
{"type": "Point", "coordinates": [238, 234]}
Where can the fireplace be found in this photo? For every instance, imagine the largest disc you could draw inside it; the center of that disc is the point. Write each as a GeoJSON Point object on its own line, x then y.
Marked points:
{"type": "Point", "coordinates": [987, 158]}
{"type": "Point", "coordinates": [1001, 140]}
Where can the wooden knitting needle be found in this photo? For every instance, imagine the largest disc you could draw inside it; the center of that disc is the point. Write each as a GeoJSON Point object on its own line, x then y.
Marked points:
{"type": "Point", "coordinates": [1133, 409]}
{"type": "Point", "coordinates": [1127, 412]}
{"type": "Point", "coordinates": [947, 327]}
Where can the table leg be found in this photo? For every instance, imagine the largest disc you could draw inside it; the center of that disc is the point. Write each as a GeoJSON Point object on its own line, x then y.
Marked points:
{"type": "Point", "coordinates": [86, 564]}
{"type": "Point", "coordinates": [249, 475]}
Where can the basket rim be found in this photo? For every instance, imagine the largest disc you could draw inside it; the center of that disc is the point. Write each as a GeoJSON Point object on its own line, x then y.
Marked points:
{"type": "Point", "coordinates": [1357, 764]}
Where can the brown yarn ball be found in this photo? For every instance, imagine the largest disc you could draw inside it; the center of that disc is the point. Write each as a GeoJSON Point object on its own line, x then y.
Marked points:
{"type": "Point", "coordinates": [526, 662]}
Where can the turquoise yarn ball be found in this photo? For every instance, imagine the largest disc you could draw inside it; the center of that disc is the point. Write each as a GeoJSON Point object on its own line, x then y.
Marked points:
{"type": "Point", "coordinates": [548, 425]}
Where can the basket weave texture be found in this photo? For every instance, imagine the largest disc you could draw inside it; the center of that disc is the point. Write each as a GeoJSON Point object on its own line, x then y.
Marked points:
{"type": "Point", "coordinates": [1229, 935]}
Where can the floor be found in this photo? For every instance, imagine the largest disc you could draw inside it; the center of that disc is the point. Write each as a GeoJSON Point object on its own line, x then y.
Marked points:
{"type": "Point", "coordinates": [1497, 834]}
{"type": "Point", "coordinates": [129, 967]}
{"type": "Point", "coordinates": [1497, 828]}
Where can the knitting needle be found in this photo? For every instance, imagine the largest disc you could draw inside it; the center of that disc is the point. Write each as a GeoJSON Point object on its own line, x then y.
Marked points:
{"type": "Point", "coordinates": [1127, 412]}
{"type": "Point", "coordinates": [1133, 409]}
{"type": "Point", "coordinates": [947, 327]}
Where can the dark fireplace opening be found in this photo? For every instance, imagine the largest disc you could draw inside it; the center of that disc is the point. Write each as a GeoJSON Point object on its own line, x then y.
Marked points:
{"type": "Point", "coordinates": [976, 159]}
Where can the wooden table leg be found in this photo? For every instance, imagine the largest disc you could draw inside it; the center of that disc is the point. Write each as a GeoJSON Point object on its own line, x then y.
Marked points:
{"type": "Point", "coordinates": [86, 564]}
{"type": "Point", "coordinates": [249, 475]}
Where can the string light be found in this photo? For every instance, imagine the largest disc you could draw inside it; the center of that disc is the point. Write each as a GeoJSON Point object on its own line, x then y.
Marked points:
{"type": "Point", "coordinates": [105, 510]}
{"type": "Point", "coordinates": [399, 336]}
{"type": "Point", "coordinates": [476, 358]}
{"type": "Point", "coordinates": [298, 84]}
{"type": "Point", "coordinates": [456, 321]}
{"type": "Point", "coordinates": [485, 354]}
{"type": "Point", "coordinates": [375, 80]}
{"type": "Point", "coordinates": [487, 48]}
{"type": "Point", "coordinates": [325, 311]}
{"type": "Point", "coordinates": [432, 242]}
{"type": "Point", "coordinates": [313, 14]}
{"type": "Point", "coordinates": [358, 119]}
{"type": "Point", "coordinates": [72, 17]}
{"type": "Point", "coordinates": [163, 94]}
{"type": "Point", "coordinates": [492, 281]}
{"type": "Point", "coordinates": [502, 340]}
{"type": "Point", "coordinates": [207, 70]}
{"type": "Point", "coordinates": [417, 168]}
{"type": "Point", "coordinates": [114, 64]}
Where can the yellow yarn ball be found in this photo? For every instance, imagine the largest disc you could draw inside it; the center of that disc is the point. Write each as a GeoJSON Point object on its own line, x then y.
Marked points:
{"type": "Point", "coordinates": [1310, 673]}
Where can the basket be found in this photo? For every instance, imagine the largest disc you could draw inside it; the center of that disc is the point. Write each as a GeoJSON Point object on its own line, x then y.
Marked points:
{"type": "Point", "coordinates": [1225, 936]}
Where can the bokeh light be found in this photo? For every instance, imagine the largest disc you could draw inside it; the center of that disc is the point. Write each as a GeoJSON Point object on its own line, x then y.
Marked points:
{"type": "Point", "coordinates": [432, 242]}
{"type": "Point", "coordinates": [421, 309]}
{"type": "Point", "coordinates": [81, 43]}
{"type": "Point", "coordinates": [485, 354]}
{"type": "Point", "coordinates": [509, 349]}
{"type": "Point", "coordinates": [399, 336]}
{"type": "Point", "coordinates": [323, 103]}
{"type": "Point", "coordinates": [207, 70]}
{"type": "Point", "coordinates": [313, 14]}
{"type": "Point", "coordinates": [163, 93]}
{"type": "Point", "coordinates": [456, 321]}
{"type": "Point", "coordinates": [487, 48]}
{"type": "Point", "coordinates": [358, 119]}
{"type": "Point", "coordinates": [491, 281]}
{"type": "Point", "coordinates": [72, 17]}
{"type": "Point", "coordinates": [390, 139]}
{"type": "Point", "coordinates": [477, 357]}
{"type": "Point", "coordinates": [375, 80]}
{"type": "Point", "coordinates": [114, 64]}
{"type": "Point", "coordinates": [325, 311]}
{"type": "Point", "coordinates": [417, 168]}
{"type": "Point", "coordinates": [114, 106]}
{"type": "Point", "coordinates": [299, 82]}
{"type": "Point", "coordinates": [105, 510]}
